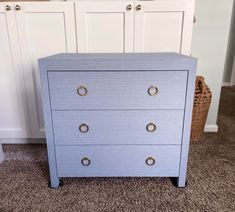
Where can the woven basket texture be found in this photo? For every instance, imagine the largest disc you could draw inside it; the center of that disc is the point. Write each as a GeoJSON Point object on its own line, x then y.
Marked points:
{"type": "Point", "coordinates": [202, 100]}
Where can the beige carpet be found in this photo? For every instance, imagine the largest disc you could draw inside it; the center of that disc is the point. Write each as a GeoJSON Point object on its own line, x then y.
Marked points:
{"type": "Point", "coordinates": [211, 179]}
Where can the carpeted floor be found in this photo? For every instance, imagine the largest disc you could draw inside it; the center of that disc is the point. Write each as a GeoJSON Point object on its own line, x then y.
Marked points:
{"type": "Point", "coordinates": [211, 179]}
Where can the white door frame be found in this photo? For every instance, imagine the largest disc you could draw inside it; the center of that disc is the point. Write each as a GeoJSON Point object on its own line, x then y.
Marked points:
{"type": "Point", "coordinates": [1, 154]}
{"type": "Point", "coordinates": [233, 73]}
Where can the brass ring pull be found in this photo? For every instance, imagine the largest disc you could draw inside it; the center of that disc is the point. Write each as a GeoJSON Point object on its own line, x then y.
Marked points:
{"type": "Point", "coordinates": [150, 161]}
{"type": "Point", "coordinates": [129, 7]}
{"type": "Point", "coordinates": [151, 127]}
{"type": "Point", "coordinates": [153, 90]}
{"type": "Point", "coordinates": [82, 90]}
{"type": "Point", "coordinates": [86, 161]}
{"type": "Point", "coordinates": [83, 128]}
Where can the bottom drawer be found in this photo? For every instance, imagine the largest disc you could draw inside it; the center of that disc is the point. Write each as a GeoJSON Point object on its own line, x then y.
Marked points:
{"type": "Point", "coordinates": [123, 160]}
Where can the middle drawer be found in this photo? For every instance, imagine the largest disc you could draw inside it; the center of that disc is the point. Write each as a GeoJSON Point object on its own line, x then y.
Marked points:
{"type": "Point", "coordinates": [118, 127]}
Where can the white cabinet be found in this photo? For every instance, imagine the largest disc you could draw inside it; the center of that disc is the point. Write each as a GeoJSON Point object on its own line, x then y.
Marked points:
{"type": "Point", "coordinates": [44, 29]}
{"type": "Point", "coordinates": [164, 26]}
{"type": "Point", "coordinates": [105, 26]}
{"type": "Point", "coordinates": [140, 26]}
{"type": "Point", "coordinates": [31, 30]}
{"type": "Point", "coordinates": [14, 119]}
{"type": "Point", "coordinates": [35, 30]}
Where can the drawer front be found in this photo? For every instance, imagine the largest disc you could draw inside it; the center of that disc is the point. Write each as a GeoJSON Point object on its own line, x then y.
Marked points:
{"type": "Point", "coordinates": [118, 90]}
{"type": "Point", "coordinates": [126, 160]}
{"type": "Point", "coordinates": [118, 127]}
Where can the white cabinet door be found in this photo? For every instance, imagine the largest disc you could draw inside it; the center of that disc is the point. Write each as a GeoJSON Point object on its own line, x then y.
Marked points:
{"type": "Point", "coordinates": [105, 26]}
{"type": "Point", "coordinates": [44, 28]}
{"type": "Point", "coordinates": [14, 119]}
{"type": "Point", "coordinates": [164, 26]}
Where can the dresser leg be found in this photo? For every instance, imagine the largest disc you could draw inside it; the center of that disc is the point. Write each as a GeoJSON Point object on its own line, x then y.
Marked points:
{"type": "Point", "coordinates": [182, 181]}
{"type": "Point", "coordinates": [55, 183]}
{"type": "Point", "coordinates": [178, 182]}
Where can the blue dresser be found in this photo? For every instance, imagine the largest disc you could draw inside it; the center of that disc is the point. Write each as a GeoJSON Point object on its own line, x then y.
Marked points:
{"type": "Point", "coordinates": [112, 115]}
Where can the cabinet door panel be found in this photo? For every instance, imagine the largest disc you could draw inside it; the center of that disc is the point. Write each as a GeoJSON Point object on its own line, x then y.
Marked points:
{"type": "Point", "coordinates": [105, 26]}
{"type": "Point", "coordinates": [164, 26]}
{"type": "Point", "coordinates": [45, 28]}
{"type": "Point", "coordinates": [14, 120]}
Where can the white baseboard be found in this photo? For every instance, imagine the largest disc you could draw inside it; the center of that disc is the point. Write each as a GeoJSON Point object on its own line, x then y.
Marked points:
{"type": "Point", "coordinates": [211, 128]}
{"type": "Point", "coordinates": [226, 84]}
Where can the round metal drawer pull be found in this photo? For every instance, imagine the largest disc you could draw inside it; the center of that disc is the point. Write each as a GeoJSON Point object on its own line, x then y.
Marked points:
{"type": "Point", "coordinates": [151, 127]}
{"type": "Point", "coordinates": [150, 161]}
{"type": "Point", "coordinates": [153, 90]}
{"type": "Point", "coordinates": [82, 90]}
{"type": "Point", "coordinates": [86, 161]}
{"type": "Point", "coordinates": [83, 128]}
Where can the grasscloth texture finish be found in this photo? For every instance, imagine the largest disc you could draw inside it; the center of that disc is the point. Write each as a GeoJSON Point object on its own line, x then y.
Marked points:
{"type": "Point", "coordinates": [211, 177]}
{"type": "Point", "coordinates": [116, 82]}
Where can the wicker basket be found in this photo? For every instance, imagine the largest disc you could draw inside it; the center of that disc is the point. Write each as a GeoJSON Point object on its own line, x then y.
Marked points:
{"type": "Point", "coordinates": [202, 100]}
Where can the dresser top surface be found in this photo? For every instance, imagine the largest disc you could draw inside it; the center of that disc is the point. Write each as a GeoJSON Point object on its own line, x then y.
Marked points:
{"type": "Point", "coordinates": [118, 61]}
{"type": "Point", "coordinates": [120, 56]}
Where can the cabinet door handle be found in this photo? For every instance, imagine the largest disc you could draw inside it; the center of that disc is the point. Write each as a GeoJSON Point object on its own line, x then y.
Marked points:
{"type": "Point", "coordinates": [17, 7]}
{"type": "Point", "coordinates": [129, 7]}
{"type": "Point", "coordinates": [138, 7]}
{"type": "Point", "coordinates": [8, 8]}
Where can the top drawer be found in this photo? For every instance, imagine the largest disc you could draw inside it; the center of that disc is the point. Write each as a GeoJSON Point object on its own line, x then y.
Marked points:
{"type": "Point", "coordinates": [117, 90]}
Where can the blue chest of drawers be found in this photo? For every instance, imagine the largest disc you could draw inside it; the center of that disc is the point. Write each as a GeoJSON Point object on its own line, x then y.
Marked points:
{"type": "Point", "coordinates": [117, 114]}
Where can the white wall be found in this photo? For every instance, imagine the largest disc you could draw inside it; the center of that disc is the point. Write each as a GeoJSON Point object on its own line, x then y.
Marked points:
{"type": "Point", "coordinates": [209, 45]}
